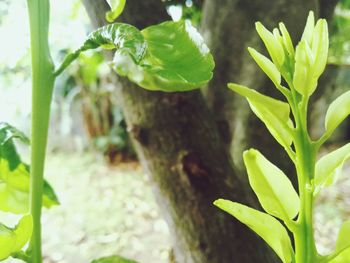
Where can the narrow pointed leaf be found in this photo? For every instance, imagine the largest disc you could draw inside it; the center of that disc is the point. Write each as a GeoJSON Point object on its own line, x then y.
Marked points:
{"type": "Point", "coordinates": [328, 168]}
{"type": "Point", "coordinates": [309, 28]}
{"type": "Point", "coordinates": [320, 46]}
{"type": "Point", "coordinates": [274, 113]}
{"type": "Point", "coordinates": [113, 259]}
{"type": "Point", "coordinates": [267, 66]}
{"type": "Point", "coordinates": [273, 46]}
{"type": "Point", "coordinates": [266, 226]}
{"type": "Point", "coordinates": [117, 7]}
{"type": "Point", "coordinates": [272, 187]}
{"type": "Point", "coordinates": [287, 41]}
{"type": "Point", "coordinates": [337, 112]}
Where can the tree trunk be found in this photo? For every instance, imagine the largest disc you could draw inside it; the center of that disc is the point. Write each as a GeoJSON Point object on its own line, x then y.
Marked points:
{"type": "Point", "coordinates": [180, 148]}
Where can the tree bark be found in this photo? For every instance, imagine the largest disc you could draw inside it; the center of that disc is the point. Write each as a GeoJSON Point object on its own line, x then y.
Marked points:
{"type": "Point", "coordinates": [180, 148]}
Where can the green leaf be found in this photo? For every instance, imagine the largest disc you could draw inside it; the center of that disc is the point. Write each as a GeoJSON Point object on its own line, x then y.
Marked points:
{"type": "Point", "coordinates": [13, 240]}
{"type": "Point", "coordinates": [328, 168]}
{"type": "Point", "coordinates": [337, 112]}
{"type": "Point", "coordinates": [267, 66]}
{"type": "Point", "coordinates": [266, 226]}
{"type": "Point", "coordinates": [287, 41]}
{"type": "Point", "coordinates": [177, 58]}
{"type": "Point", "coordinates": [309, 28]}
{"type": "Point", "coordinates": [273, 46]}
{"type": "Point", "coordinates": [342, 249]}
{"type": "Point", "coordinates": [118, 36]}
{"type": "Point", "coordinates": [113, 259]}
{"type": "Point", "coordinates": [272, 187]}
{"type": "Point", "coordinates": [117, 7]}
{"type": "Point", "coordinates": [274, 113]}
{"type": "Point", "coordinates": [8, 132]}
{"type": "Point", "coordinates": [170, 57]}
{"type": "Point", "coordinates": [14, 181]}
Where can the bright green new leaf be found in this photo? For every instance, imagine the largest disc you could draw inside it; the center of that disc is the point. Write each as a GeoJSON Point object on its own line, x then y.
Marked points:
{"type": "Point", "coordinates": [117, 7]}
{"type": "Point", "coordinates": [272, 187]}
{"type": "Point", "coordinates": [309, 28]}
{"type": "Point", "coordinates": [14, 180]}
{"type": "Point", "coordinates": [267, 66]}
{"type": "Point", "coordinates": [118, 36]}
{"type": "Point", "coordinates": [113, 259]}
{"type": "Point", "coordinates": [266, 226]}
{"type": "Point", "coordinates": [287, 41]}
{"type": "Point", "coordinates": [343, 245]}
{"type": "Point", "coordinates": [274, 113]}
{"type": "Point", "coordinates": [13, 240]}
{"type": "Point", "coordinates": [337, 112]}
{"type": "Point", "coordinates": [320, 46]}
{"type": "Point", "coordinates": [273, 46]}
{"type": "Point", "coordinates": [328, 168]}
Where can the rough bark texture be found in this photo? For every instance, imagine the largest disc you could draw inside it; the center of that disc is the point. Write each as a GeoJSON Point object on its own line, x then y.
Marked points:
{"type": "Point", "coordinates": [228, 27]}
{"type": "Point", "coordinates": [180, 147]}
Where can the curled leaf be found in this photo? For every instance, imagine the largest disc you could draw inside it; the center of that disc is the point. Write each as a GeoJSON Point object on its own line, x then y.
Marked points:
{"type": "Point", "coordinates": [117, 7]}
{"type": "Point", "coordinates": [266, 226]}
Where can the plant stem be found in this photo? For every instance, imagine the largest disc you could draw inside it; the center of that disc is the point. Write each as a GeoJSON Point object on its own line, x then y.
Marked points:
{"type": "Point", "coordinates": [42, 86]}
{"type": "Point", "coordinates": [306, 158]}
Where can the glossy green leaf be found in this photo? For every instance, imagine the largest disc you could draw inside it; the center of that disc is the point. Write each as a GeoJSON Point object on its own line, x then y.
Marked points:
{"type": "Point", "coordinates": [337, 112]}
{"type": "Point", "coordinates": [266, 226]}
{"type": "Point", "coordinates": [328, 168]}
{"type": "Point", "coordinates": [117, 7]}
{"type": "Point", "coordinates": [267, 66]}
{"type": "Point", "coordinates": [177, 58]}
{"type": "Point", "coordinates": [113, 259]}
{"type": "Point", "coordinates": [272, 44]}
{"type": "Point", "coordinates": [118, 36]}
{"type": "Point", "coordinates": [13, 240]}
{"type": "Point", "coordinates": [274, 113]}
{"type": "Point", "coordinates": [272, 187]}
{"type": "Point", "coordinates": [342, 250]}
{"type": "Point", "coordinates": [14, 181]}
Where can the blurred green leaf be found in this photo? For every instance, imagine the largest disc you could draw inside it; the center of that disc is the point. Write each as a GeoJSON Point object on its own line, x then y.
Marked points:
{"type": "Point", "coordinates": [14, 178]}
{"type": "Point", "coordinates": [274, 113]}
{"type": "Point", "coordinates": [328, 168]}
{"type": "Point", "coordinates": [266, 226]}
{"type": "Point", "coordinates": [117, 7]}
{"type": "Point", "coordinates": [272, 187]}
{"type": "Point", "coordinates": [337, 112]}
{"type": "Point", "coordinates": [342, 249]}
{"type": "Point", "coordinates": [113, 259]}
{"type": "Point", "coordinates": [8, 132]}
{"type": "Point", "coordinates": [13, 240]}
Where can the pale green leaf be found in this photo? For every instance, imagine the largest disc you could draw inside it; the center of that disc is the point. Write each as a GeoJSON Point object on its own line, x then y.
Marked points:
{"type": "Point", "coordinates": [13, 240]}
{"type": "Point", "coordinates": [266, 226]}
{"type": "Point", "coordinates": [337, 112]}
{"type": "Point", "coordinates": [342, 250]}
{"type": "Point", "coordinates": [117, 7]}
{"type": "Point", "coordinates": [320, 46]}
{"type": "Point", "coordinates": [267, 66]}
{"type": "Point", "coordinates": [328, 168]}
{"type": "Point", "coordinates": [274, 113]}
{"type": "Point", "coordinates": [272, 187]}
{"type": "Point", "coordinates": [273, 46]}
{"type": "Point", "coordinates": [113, 259]}
{"type": "Point", "coordinates": [309, 28]}
{"type": "Point", "coordinates": [287, 41]}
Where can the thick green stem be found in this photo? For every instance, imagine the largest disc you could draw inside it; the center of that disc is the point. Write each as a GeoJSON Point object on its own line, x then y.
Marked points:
{"type": "Point", "coordinates": [306, 158]}
{"type": "Point", "coordinates": [42, 86]}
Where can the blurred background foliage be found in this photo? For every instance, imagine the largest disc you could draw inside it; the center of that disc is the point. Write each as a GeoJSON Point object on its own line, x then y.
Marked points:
{"type": "Point", "coordinates": [88, 134]}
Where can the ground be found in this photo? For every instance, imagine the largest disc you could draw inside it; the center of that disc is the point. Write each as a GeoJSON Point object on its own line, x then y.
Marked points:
{"type": "Point", "coordinates": [111, 210]}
